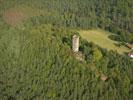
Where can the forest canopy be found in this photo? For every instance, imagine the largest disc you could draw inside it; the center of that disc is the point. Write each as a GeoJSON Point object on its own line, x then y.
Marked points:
{"type": "Point", "coordinates": [36, 59]}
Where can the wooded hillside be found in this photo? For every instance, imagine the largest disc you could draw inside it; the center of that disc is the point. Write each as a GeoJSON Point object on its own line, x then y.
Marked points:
{"type": "Point", "coordinates": [36, 59]}
{"type": "Point", "coordinates": [111, 15]}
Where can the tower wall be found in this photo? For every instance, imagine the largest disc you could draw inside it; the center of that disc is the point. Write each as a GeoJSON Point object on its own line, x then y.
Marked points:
{"type": "Point", "coordinates": [75, 43]}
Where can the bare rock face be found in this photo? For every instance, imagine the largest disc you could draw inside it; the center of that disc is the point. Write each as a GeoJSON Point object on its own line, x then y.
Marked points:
{"type": "Point", "coordinates": [79, 56]}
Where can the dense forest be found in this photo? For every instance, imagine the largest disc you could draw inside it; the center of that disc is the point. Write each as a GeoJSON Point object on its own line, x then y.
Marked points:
{"type": "Point", "coordinates": [36, 60]}
{"type": "Point", "coordinates": [112, 15]}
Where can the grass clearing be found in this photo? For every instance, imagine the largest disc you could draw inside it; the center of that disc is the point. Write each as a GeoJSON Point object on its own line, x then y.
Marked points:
{"type": "Point", "coordinates": [18, 14]}
{"type": "Point", "coordinates": [100, 37]}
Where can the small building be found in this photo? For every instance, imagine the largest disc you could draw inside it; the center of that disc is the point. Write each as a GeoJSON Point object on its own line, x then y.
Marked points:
{"type": "Point", "coordinates": [103, 77]}
{"type": "Point", "coordinates": [75, 43]}
{"type": "Point", "coordinates": [130, 46]}
{"type": "Point", "coordinates": [130, 55]}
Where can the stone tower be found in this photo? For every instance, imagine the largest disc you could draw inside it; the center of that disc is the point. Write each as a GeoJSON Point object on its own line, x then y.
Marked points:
{"type": "Point", "coordinates": [75, 43]}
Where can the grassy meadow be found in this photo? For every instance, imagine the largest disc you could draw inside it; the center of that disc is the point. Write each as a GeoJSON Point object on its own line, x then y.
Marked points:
{"type": "Point", "coordinates": [101, 38]}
